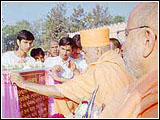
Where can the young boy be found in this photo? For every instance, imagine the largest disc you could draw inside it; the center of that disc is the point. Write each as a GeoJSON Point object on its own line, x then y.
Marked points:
{"type": "Point", "coordinates": [24, 41]}
{"type": "Point", "coordinates": [38, 54]}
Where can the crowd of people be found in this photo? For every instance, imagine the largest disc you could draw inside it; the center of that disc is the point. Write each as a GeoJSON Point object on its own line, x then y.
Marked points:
{"type": "Point", "coordinates": [126, 74]}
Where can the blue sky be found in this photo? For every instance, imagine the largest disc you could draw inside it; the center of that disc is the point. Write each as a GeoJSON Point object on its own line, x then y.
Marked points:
{"type": "Point", "coordinates": [31, 11]}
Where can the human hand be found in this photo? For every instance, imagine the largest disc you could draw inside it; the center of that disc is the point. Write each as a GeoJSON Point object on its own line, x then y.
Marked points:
{"type": "Point", "coordinates": [71, 65]}
{"type": "Point", "coordinates": [57, 68]}
{"type": "Point", "coordinates": [22, 61]}
{"type": "Point", "coordinates": [53, 73]}
{"type": "Point", "coordinates": [18, 79]}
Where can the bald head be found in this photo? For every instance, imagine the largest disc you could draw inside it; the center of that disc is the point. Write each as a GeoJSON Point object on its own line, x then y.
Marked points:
{"type": "Point", "coordinates": [145, 14]}
{"type": "Point", "coordinates": [140, 50]}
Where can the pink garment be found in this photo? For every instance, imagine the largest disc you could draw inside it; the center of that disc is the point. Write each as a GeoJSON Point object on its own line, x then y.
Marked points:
{"type": "Point", "coordinates": [51, 106]}
{"type": "Point", "coordinates": [10, 105]}
{"type": "Point", "coordinates": [13, 106]}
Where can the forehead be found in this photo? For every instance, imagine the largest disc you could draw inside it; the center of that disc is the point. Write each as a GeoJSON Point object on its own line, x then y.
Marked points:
{"type": "Point", "coordinates": [39, 56]}
{"type": "Point", "coordinates": [27, 41]}
{"type": "Point", "coordinates": [76, 49]}
{"type": "Point", "coordinates": [53, 43]}
{"type": "Point", "coordinates": [89, 49]}
{"type": "Point", "coordinates": [66, 47]}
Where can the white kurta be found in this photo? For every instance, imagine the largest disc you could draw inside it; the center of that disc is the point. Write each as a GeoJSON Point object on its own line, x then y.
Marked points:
{"type": "Point", "coordinates": [81, 63]}
{"type": "Point", "coordinates": [66, 72]}
{"type": "Point", "coordinates": [10, 58]}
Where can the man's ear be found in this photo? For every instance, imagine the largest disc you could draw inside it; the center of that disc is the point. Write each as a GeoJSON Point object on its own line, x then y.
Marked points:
{"type": "Point", "coordinates": [99, 51]}
{"type": "Point", "coordinates": [117, 50]}
{"type": "Point", "coordinates": [18, 42]}
{"type": "Point", "coordinates": [149, 42]}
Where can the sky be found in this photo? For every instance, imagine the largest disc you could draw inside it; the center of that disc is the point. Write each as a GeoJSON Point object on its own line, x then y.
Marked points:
{"type": "Point", "coordinates": [11, 12]}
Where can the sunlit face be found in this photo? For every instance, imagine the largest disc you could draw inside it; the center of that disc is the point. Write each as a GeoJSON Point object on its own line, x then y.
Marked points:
{"type": "Point", "coordinates": [39, 58]}
{"type": "Point", "coordinates": [133, 50]}
{"type": "Point", "coordinates": [76, 53]}
{"type": "Point", "coordinates": [54, 49]}
{"type": "Point", "coordinates": [90, 54]}
{"type": "Point", "coordinates": [24, 45]}
{"type": "Point", "coordinates": [65, 51]}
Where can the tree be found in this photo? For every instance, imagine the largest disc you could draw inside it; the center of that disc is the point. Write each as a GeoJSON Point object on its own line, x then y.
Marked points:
{"type": "Point", "coordinates": [9, 34]}
{"type": "Point", "coordinates": [77, 19]}
{"type": "Point", "coordinates": [118, 19]}
{"type": "Point", "coordinates": [37, 28]}
{"type": "Point", "coordinates": [55, 24]}
{"type": "Point", "coordinates": [100, 16]}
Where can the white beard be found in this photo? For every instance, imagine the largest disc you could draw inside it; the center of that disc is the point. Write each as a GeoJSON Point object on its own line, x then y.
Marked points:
{"type": "Point", "coordinates": [129, 68]}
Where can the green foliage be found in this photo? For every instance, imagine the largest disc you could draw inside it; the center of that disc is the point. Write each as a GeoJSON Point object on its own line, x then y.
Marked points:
{"type": "Point", "coordinates": [9, 34]}
{"type": "Point", "coordinates": [56, 25]}
{"type": "Point", "coordinates": [118, 19]}
{"type": "Point", "coordinates": [100, 16]}
{"type": "Point", "coordinates": [77, 19]}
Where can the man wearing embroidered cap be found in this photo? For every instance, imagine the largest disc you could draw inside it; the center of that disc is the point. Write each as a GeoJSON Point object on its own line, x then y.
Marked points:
{"type": "Point", "coordinates": [106, 69]}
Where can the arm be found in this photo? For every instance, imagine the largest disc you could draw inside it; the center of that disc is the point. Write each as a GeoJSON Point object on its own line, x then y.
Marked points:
{"type": "Point", "coordinates": [48, 90]}
{"type": "Point", "coordinates": [54, 75]}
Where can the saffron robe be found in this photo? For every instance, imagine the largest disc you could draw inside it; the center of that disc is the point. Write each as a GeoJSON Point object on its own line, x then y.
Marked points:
{"type": "Point", "coordinates": [109, 73]}
{"type": "Point", "coordinates": [138, 100]}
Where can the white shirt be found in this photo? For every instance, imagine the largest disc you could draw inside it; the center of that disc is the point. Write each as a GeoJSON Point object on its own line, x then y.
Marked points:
{"type": "Point", "coordinates": [10, 58]}
{"type": "Point", "coordinates": [66, 72]}
{"type": "Point", "coordinates": [81, 63]}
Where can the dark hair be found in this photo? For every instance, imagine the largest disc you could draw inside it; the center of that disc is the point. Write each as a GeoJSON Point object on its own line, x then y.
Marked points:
{"type": "Point", "coordinates": [116, 43]}
{"type": "Point", "coordinates": [26, 35]}
{"type": "Point", "coordinates": [36, 51]}
{"type": "Point", "coordinates": [66, 41]}
{"type": "Point", "coordinates": [76, 41]}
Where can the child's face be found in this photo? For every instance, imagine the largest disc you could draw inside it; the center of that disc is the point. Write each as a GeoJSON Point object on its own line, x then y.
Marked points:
{"type": "Point", "coordinates": [39, 58]}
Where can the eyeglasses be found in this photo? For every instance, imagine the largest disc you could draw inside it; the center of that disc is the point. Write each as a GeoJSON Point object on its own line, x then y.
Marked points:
{"type": "Point", "coordinates": [122, 34]}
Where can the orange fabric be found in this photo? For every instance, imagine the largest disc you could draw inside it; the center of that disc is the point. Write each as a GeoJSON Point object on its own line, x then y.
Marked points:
{"type": "Point", "coordinates": [64, 106]}
{"type": "Point", "coordinates": [108, 72]}
{"type": "Point", "coordinates": [94, 37]}
{"type": "Point", "coordinates": [139, 100]}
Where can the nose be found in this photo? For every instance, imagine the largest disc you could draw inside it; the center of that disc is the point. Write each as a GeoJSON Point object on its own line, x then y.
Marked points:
{"type": "Point", "coordinates": [123, 46]}
{"type": "Point", "coordinates": [28, 45]}
{"type": "Point", "coordinates": [64, 52]}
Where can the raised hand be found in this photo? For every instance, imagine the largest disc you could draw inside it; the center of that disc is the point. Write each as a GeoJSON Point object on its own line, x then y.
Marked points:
{"type": "Point", "coordinates": [57, 68]}
{"type": "Point", "coordinates": [22, 61]}
{"type": "Point", "coordinates": [73, 67]}
{"type": "Point", "coordinates": [53, 73]}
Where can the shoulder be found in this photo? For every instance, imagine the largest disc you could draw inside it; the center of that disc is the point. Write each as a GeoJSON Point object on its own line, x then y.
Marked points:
{"type": "Point", "coordinates": [52, 58]}
{"type": "Point", "coordinates": [30, 58]}
{"type": "Point", "coordinates": [8, 54]}
{"type": "Point", "coordinates": [51, 61]}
